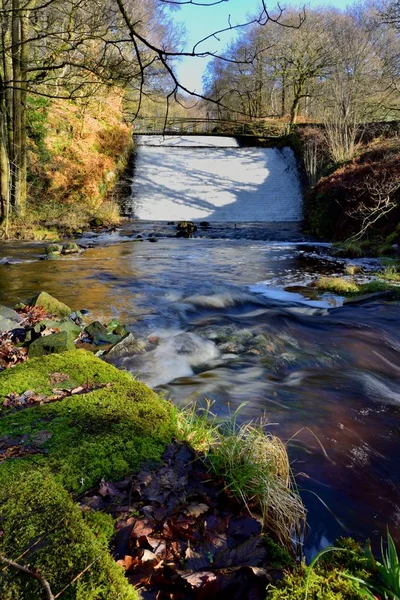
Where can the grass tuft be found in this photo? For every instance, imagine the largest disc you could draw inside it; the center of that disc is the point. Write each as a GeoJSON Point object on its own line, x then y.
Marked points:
{"type": "Point", "coordinates": [254, 466]}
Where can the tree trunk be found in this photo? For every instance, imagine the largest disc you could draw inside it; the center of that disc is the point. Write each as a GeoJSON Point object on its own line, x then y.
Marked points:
{"type": "Point", "coordinates": [16, 197]}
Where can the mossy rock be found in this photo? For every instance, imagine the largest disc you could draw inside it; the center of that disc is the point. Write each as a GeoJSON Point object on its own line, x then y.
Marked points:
{"type": "Point", "coordinates": [52, 344]}
{"type": "Point", "coordinates": [100, 334]}
{"type": "Point", "coordinates": [50, 304]}
{"type": "Point", "coordinates": [107, 432]}
{"type": "Point", "coordinates": [65, 325]}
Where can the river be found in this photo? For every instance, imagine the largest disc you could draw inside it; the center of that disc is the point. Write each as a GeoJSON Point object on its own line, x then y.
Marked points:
{"type": "Point", "coordinates": [228, 319]}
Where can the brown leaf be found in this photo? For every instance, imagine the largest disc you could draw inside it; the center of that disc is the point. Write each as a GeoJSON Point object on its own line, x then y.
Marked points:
{"type": "Point", "coordinates": [143, 527]}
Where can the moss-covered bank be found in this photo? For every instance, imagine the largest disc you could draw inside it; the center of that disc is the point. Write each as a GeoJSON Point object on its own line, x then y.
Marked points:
{"type": "Point", "coordinates": [57, 448]}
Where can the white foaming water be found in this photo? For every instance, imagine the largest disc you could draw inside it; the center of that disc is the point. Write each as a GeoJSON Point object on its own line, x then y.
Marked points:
{"type": "Point", "coordinates": [222, 182]}
{"type": "Point", "coordinates": [174, 357]}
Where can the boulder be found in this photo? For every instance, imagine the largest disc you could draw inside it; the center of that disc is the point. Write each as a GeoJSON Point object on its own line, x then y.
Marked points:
{"type": "Point", "coordinates": [50, 304]}
{"type": "Point", "coordinates": [128, 346]}
{"type": "Point", "coordinates": [51, 344]}
{"type": "Point", "coordinates": [100, 334]}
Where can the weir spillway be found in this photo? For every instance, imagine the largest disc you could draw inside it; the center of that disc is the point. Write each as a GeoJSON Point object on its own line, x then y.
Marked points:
{"type": "Point", "coordinates": [210, 178]}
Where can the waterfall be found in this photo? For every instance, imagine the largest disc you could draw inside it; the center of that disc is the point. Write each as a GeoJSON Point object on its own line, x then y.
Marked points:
{"type": "Point", "coordinates": [207, 178]}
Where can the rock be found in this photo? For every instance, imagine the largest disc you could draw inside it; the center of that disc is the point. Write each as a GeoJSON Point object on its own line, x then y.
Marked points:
{"type": "Point", "coordinates": [128, 346]}
{"type": "Point", "coordinates": [50, 304]}
{"type": "Point", "coordinates": [153, 239]}
{"type": "Point", "coordinates": [100, 334]}
{"type": "Point", "coordinates": [9, 319]}
{"type": "Point", "coordinates": [186, 229]}
{"type": "Point", "coordinates": [66, 325]}
{"type": "Point", "coordinates": [53, 250]}
{"type": "Point", "coordinates": [204, 224]}
{"type": "Point", "coordinates": [71, 248]}
{"type": "Point", "coordinates": [9, 313]}
{"type": "Point", "coordinates": [51, 344]}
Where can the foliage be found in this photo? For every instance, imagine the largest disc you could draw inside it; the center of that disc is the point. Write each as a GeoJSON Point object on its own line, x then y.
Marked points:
{"type": "Point", "coordinates": [325, 580]}
{"type": "Point", "coordinates": [358, 193]}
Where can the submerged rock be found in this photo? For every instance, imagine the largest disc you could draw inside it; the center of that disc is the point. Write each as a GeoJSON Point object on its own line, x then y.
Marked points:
{"type": "Point", "coordinates": [51, 344]}
{"type": "Point", "coordinates": [50, 304]}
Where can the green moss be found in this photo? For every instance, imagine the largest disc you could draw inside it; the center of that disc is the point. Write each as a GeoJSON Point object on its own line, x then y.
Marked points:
{"type": "Point", "coordinates": [279, 557]}
{"type": "Point", "coordinates": [35, 507]}
{"type": "Point", "coordinates": [345, 287]}
{"type": "Point", "coordinates": [327, 580]}
{"type": "Point", "coordinates": [329, 585]}
{"type": "Point", "coordinates": [350, 249]}
{"type": "Point", "coordinates": [79, 366]}
{"type": "Point", "coordinates": [106, 433]}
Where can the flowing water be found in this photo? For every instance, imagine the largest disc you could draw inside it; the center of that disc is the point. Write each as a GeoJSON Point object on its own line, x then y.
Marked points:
{"type": "Point", "coordinates": [229, 320]}
{"type": "Point", "coordinates": [227, 317]}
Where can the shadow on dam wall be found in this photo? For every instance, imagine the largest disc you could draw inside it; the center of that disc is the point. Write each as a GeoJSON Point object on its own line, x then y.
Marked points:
{"type": "Point", "coordinates": [198, 179]}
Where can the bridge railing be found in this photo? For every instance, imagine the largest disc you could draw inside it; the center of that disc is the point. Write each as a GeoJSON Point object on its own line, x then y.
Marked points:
{"type": "Point", "coordinates": [175, 125]}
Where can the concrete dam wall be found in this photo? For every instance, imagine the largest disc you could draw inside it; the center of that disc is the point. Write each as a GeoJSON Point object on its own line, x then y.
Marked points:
{"type": "Point", "coordinates": [207, 178]}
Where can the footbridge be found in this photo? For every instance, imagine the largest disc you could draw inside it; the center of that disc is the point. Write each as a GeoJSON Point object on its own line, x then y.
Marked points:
{"type": "Point", "coordinates": [206, 177]}
{"type": "Point", "coordinates": [214, 127]}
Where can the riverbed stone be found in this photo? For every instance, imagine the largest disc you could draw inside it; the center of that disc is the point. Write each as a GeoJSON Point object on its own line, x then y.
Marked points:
{"type": "Point", "coordinates": [50, 304]}
{"type": "Point", "coordinates": [51, 344]}
{"type": "Point", "coordinates": [64, 325]}
{"type": "Point", "coordinates": [128, 346]}
{"type": "Point", "coordinates": [10, 314]}
{"type": "Point", "coordinates": [100, 334]}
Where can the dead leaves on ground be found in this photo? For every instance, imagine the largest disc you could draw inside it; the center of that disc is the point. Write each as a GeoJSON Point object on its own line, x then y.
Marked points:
{"type": "Point", "coordinates": [30, 398]}
{"type": "Point", "coordinates": [10, 354]}
{"type": "Point", "coordinates": [180, 536]}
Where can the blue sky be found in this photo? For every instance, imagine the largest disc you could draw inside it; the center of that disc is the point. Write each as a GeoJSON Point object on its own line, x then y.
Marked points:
{"type": "Point", "coordinates": [200, 21]}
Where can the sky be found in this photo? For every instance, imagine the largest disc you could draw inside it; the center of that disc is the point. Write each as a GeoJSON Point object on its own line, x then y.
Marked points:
{"type": "Point", "coordinates": [200, 21]}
